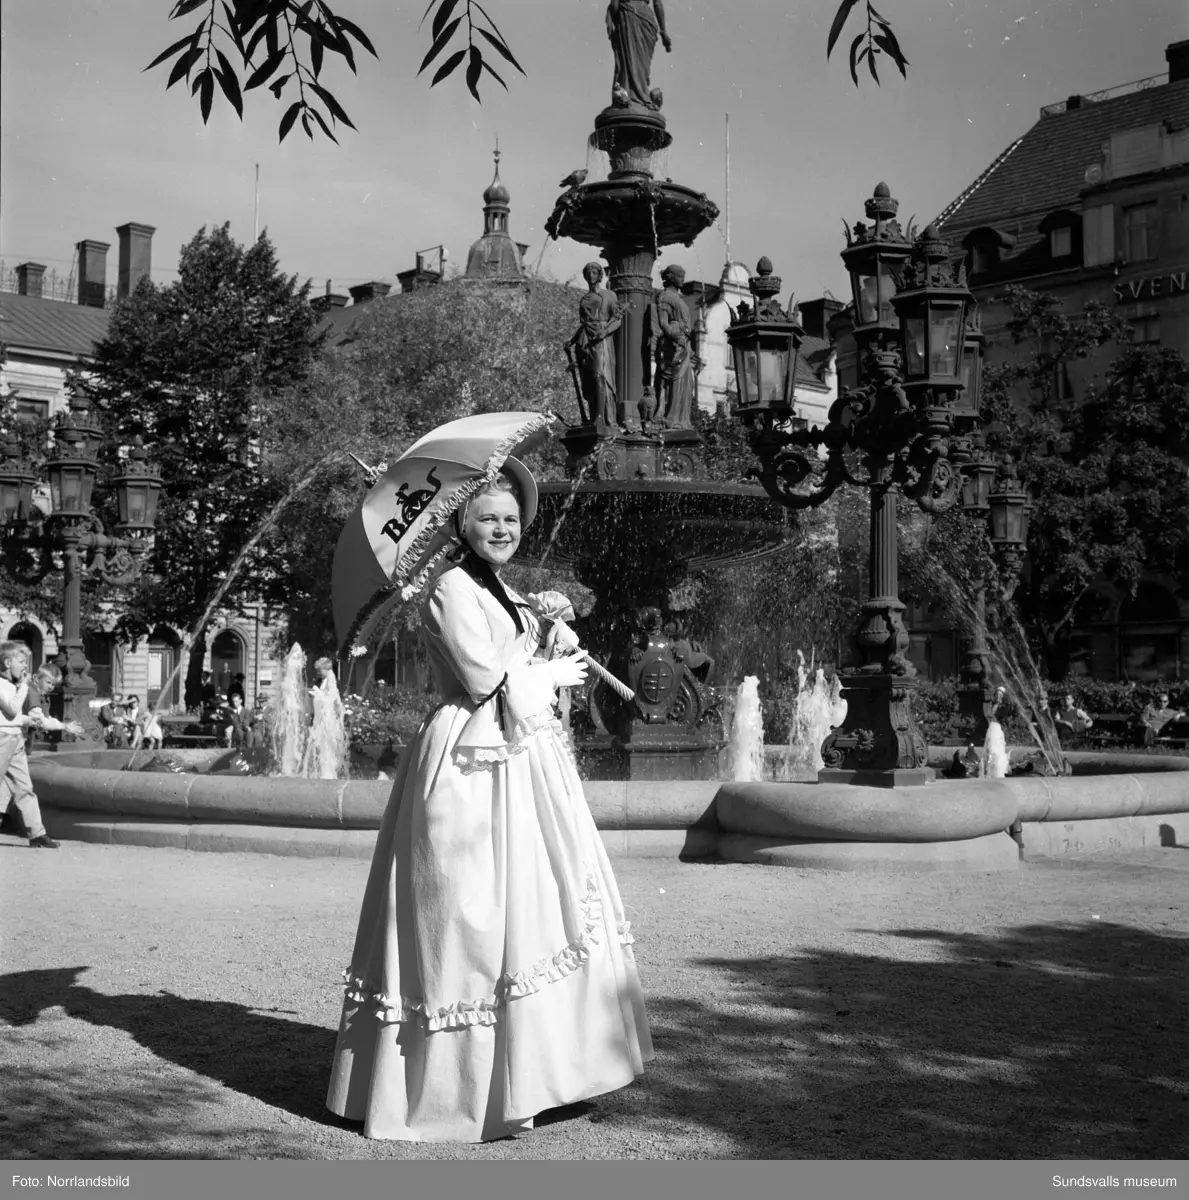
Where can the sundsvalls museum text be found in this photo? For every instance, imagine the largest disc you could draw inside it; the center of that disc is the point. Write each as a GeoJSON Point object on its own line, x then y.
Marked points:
{"type": "Point", "coordinates": [70, 1181]}
{"type": "Point", "coordinates": [1113, 1181]}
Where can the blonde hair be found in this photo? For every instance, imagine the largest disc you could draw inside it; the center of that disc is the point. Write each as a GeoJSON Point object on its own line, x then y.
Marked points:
{"type": "Point", "coordinates": [11, 650]}
{"type": "Point", "coordinates": [504, 482]}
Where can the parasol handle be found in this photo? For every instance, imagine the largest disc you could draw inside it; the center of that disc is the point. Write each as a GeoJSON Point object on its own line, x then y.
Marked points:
{"type": "Point", "coordinates": [609, 679]}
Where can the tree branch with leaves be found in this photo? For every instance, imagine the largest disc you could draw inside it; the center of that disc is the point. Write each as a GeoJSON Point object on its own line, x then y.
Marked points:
{"type": "Point", "coordinates": [284, 44]}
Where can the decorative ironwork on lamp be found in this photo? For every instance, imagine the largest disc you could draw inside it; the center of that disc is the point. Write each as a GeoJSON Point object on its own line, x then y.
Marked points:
{"type": "Point", "coordinates": [875, 255]}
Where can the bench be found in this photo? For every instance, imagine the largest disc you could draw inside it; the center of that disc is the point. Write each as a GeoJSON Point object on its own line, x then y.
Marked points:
{"type": "Point", "coordinates": [196, 741]}
{"type": "Point", "coordinates": [1113, 729]}
{"type": "Point", "coordinates": [1174, 735]}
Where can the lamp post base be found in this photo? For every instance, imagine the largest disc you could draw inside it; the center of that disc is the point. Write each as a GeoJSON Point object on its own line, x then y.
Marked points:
{"type": "Point", "coordinates": [878, 738]}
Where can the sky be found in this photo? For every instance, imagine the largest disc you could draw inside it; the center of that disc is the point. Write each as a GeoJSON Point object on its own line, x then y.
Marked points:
{"type": "Point", "coordinates": [90, 141]}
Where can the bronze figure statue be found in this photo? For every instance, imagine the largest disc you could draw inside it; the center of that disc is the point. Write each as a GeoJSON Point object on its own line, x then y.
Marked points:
{"type": "Point", "coordinates": [674, 354]}
{"type": "Point", "coordinates": [633, 30]}
{"type": "Point", "coordinates": [599, 316]}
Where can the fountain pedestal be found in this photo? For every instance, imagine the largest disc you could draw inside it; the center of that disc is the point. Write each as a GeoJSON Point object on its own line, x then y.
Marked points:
{"type": "Point", "coordinates": [610, 455]}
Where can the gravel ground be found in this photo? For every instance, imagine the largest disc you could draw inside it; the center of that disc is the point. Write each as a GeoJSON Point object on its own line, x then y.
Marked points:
{"type": "Point", "coordinates": [163, 1004]}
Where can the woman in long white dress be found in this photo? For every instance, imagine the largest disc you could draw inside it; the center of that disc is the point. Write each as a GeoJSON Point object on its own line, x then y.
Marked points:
{"type": "Point", "coordinates": [493, 976]}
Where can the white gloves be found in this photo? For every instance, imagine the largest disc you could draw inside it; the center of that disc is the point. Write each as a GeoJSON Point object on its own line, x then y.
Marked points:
{"type": "Point", "coordinates": [569, 671]}
{"type": "Point", "coordinates": [561, 639]}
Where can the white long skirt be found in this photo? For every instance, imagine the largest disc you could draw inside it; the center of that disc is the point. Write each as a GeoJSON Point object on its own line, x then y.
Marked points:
{"type": "Point", "coordinates": [492, 976]}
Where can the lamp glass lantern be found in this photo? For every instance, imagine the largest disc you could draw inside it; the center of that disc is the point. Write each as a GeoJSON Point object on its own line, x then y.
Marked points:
{"type": "Point", "coordinates": [978, 477]}
{"type": "Point", "coordinates": [72, 478]}
{"type": "Point", "coordinates": [874, 256]}
{"type": "Point", "coordinates": [16, 484]}
{"type": "Point", "coordinates": [137, 488]}
{"type": "Point", "coordinates": [970, 402]}
{"type": "Point", "coordinates": [765, 343]}
{"type": "Point", "coordinates": [1011, 510]}
{"type": "Point", "coordinates": [932, 329]}
{"type": "Point", "coordinates": [765, 356]}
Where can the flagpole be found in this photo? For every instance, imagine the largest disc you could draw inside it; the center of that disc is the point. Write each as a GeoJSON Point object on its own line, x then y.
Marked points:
{"type": "Point", "coordinates": [256, 211]}
{"type": "Point", "coordinates": [728, 212]}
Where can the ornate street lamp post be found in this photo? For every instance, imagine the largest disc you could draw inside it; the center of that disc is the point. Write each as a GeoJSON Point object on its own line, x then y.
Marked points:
{"type": "Point", "coordinates": [902, 423]}
{"type": "Point", "coordinates": [73, 531]}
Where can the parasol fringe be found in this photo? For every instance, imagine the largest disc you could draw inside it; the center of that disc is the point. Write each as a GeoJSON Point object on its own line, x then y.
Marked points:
{"type": "Point", "coordinates": [439, 514]}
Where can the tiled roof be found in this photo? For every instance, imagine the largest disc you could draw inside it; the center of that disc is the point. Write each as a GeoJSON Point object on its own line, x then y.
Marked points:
{"type": "Point", "coordinates": [1045, 170]}
{"type": "Point", "coordinates": [339, 323]}
{"type": "Point", "coordinates": [34, 323]}
{"type": "Point", "coordinates": [811, 362]}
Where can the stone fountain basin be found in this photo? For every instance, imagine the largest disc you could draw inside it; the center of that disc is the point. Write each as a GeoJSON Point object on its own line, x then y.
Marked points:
{"type": "Point", "coordinates": [697, 523]}
{"type": "Point", "coordinates": [1112, 800]}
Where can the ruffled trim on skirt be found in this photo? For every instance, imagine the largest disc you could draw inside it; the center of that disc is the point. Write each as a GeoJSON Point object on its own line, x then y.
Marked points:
{"type": "Point", "coordinates": [464, 1013]}
{"type": "Point", "coordinates": [469, 759]}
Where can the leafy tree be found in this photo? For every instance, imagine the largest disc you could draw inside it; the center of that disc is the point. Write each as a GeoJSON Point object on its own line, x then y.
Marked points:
{"type": "Point", "coordinates": [188, 367]}
{"type": "Point", "coordinates": [411, 363]}
{"type": "Point", "coordinates": [1104, 463]}
{"type": "Point", "coordinates": [284, 43]}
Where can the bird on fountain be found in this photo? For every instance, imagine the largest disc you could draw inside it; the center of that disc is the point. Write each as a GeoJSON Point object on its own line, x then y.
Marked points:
{"type": "Point", "coordinates": [574, 179]}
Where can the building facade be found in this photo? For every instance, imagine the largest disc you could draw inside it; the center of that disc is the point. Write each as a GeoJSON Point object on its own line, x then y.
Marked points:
{"type": "Point", "coordinates": [1092, 204]}
{"type": "Point", "coordinates": [43, 339]}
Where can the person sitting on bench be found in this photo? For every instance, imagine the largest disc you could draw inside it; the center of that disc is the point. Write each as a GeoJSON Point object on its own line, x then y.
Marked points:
{"type": "Point", "coordinates": [1156, 716]}
{"type": "Point", "coordinates": [1071, 721]}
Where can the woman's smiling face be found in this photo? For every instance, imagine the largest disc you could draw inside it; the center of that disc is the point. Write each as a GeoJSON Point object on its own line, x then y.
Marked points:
{"type": "Point", "coordinates": [493, 527]}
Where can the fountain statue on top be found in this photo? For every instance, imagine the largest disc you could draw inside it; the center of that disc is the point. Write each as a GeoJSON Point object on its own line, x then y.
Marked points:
{"type": "Point", "coordinates": [640, 512]}
{"type": "Point", "coordinates": [306, 726]}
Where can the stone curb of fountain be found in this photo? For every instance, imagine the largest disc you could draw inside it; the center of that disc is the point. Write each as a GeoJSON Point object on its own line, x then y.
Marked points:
{"type": "Point", "coordinates": [791, 824]}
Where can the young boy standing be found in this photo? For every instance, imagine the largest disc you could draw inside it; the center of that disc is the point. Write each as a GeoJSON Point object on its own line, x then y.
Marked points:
{"type": "Point", "coordinates": [14, 763]}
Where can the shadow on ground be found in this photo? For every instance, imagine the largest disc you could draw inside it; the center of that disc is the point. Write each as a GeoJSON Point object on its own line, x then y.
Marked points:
{"type": "Point", "coordinates": [282, 1063]}
{"type": "Point", "coordinates": [1046, 1042]}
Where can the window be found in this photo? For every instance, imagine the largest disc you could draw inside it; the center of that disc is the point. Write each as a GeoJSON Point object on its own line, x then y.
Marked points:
{"type": "Point", "coordinates": [98, 649]}
{"type": "Point", "coordinates": [1139, 232]}
{"type": "Point", "coordinates": [1146, 331]}
{"type": "Point", "coordinates": [28, 408]}
{"type": "Point", "coordinates": [1061, 242]}
{"type": "Point", "coordinates": [982, 259]}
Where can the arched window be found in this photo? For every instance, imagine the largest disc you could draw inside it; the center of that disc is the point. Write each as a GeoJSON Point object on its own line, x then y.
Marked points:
{"type": "Point", "coordinates": [228, 656]}
{"type": "Point", "coordinates": [27, 632]}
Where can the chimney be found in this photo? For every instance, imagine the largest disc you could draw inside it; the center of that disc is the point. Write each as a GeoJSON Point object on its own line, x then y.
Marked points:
{"type": "Point", "coordinates": [365, 293]}
{"type": "Point", "coordinates": [136, 255]}
{"type": "Point", "coordinates": [29, 278]}
{"type": "Point", "coordinates": [816, 314]}
{"type": "Point", "coordinates": [1072, 103]}
{"type": "Point", "coordinates": [92, 273]}
{"type": "Point", "coordinates": [1177, 56]}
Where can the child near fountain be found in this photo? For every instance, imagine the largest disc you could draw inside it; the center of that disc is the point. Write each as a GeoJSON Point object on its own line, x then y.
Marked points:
{"type": "Point", "coordinates": [14, 763]}
{"type": "Point", "coordinates": [492, 977]}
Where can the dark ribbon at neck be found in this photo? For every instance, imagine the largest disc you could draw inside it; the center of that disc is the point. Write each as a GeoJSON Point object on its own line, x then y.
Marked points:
{"type": "Point", "coordinates": [483, 575]}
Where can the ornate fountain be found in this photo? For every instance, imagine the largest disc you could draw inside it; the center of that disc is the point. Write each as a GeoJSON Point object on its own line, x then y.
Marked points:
{"type": "Point", "coordinates": [639, 513]}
